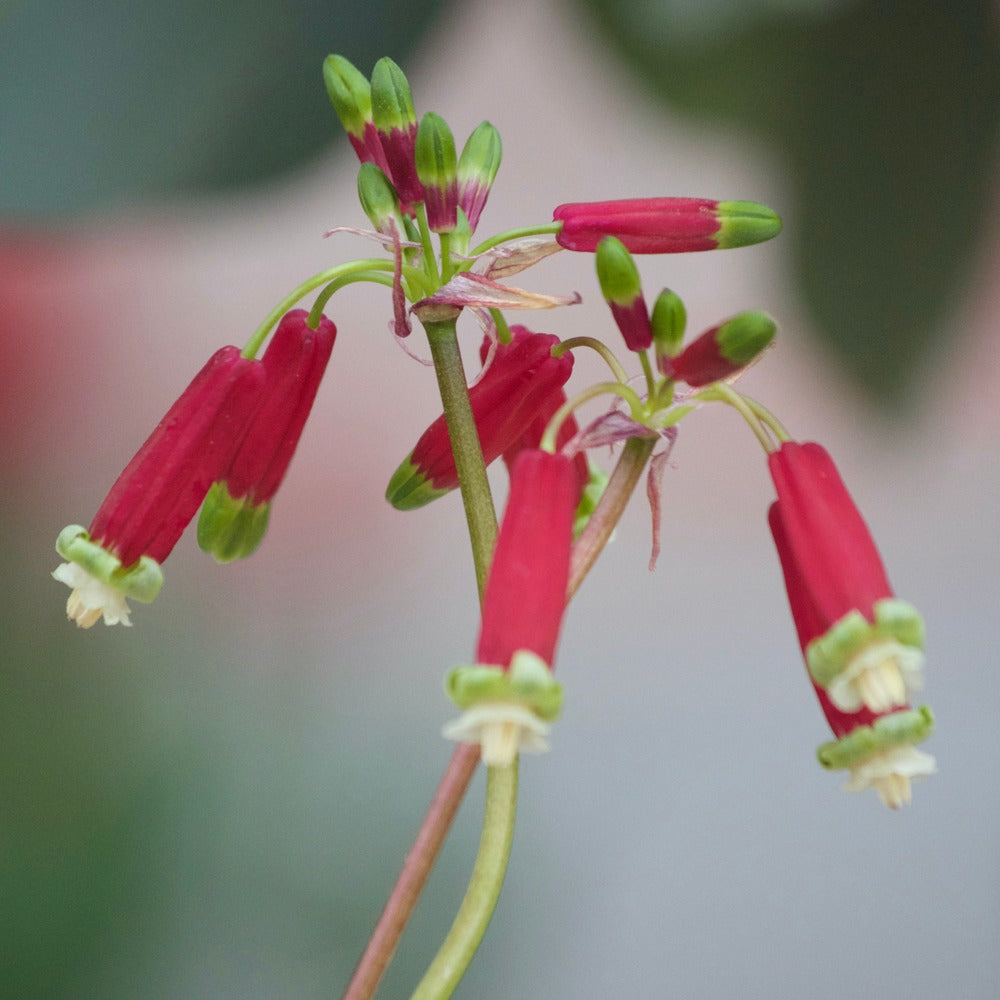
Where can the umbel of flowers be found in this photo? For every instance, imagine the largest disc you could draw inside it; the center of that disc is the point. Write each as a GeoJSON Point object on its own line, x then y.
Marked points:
{"type": "Point", "coordinates": [226, 443]}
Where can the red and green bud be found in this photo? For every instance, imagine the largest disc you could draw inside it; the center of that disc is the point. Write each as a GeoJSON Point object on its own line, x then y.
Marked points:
{"type": "Point", "coordinates": [437, 168]}
{"type": "Point", "coordinates": [234, 516]}
{"type": "Point", "coordinates": [350, 95]}
{"type": "Point", "coordinates": [159, 491]}
{"type": "Point", "coordinates": [509, 695]}
{"type": "Point", "coordinates": [379, 201]}
{"type": "Point", "coordinates": [668, 321]}
{"type": "Point", "coordinates": [722, 351]}
{"type": "Point", "coordinates": [666, 225]}
{"type": "Point", "coordinates": [622, 288]}
{"type": "Point", "coordinates": [505, 401]}
{"type": "Point", "coordinates": [863, 646]}
{"type": "Point", "coordinates": [477, 170]}
{"type": "Point", "coordinates": [396, 123]}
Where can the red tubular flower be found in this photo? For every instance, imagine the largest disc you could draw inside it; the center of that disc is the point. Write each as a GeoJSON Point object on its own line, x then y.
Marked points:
{"type": "Point", "coordinates": [505, 401]}
{"type": "Point", "coordinates": [509, 696]}
{"type": "Point", "coordinates": [235, 514]}
{"type": "Point", "coordinates": [665, 225]}
{"type": "Point", "coordinates": [158, 492]}
{"type": "Point", "coordinates": [863, 647]}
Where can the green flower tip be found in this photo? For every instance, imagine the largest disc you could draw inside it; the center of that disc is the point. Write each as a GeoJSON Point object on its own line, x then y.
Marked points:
{"type": "Point", "coordinates": [481, 156]}
{"type": "Point", "coordinates": [436, 161]}
{"type": "Point", "coordinates": [230, 528]}
{"type": "Point", "coordinates": [141, 581]}
{"type": "Point", "coordinates": [528, 683]}
{"type": "Point", "coordinates": [669, 321]}
{"type": "Point", "coordinates": [378, 198]}
{"type": "Point", "coordinates": [743, 337]}
{"type": "Point", "coordinates": [743, 223]}
{"type": "Point", "coordinates": [898, 729]}
{"type": "Point", "coordinates": [350, 93]}
{"type": "Point", "coordinates": [410, 488]}
{"type": "Point", "coordinates": [392, 100]}
{"type": "Point", "coordinates": [617, 273]}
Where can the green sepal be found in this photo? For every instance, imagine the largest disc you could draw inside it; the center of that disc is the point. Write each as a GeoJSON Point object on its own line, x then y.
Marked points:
{"type": "Point", "coordinates": [743, 223]}
{"type": "Point", "coordinates": [434, 155]}
{"type": "Point", "coordinates": [350, 94]}
{"type": "Point", "coordinates": [668, 320]}
{"type": "Point", "coordinates": [409, 487]}
{"type": "Point", "coordinates": [230, 528]}
{"type": "Point", "coordinates": [894, 730]}
{"type": "Point", "coordinates": [616, 272]}
{"type": "Point", "coordinates": [392, 99]}
{"type": "Point", "coordinates": [829, 654]}
{"type": "Point", "coordinates": [528, 682]}
{"type": "Point", "coordinates": [590, 498]}
{"type": "Point", "coordinates": [740, 339]}
{"type": "Point", "coordinates": [141, 581]}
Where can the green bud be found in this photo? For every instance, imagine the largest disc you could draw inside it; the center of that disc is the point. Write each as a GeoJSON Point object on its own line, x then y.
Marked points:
{"type": "Point", "coordinates": [669, 320]}
{"type": "Point", "coordinates": [230, 528]}
{"type": "Point", "coordinates": [437, 165]}
{"type": "Point", "coordinates": [740, 339]}
{"type": "Point", "coordinates": [481, 155]}
{"type": "Point", "coordinates": [617, 273]}
{"type": "Point", "coordinates": [350, 94]}
{"type": "Point", "coordinates": [742, 223]}
{"type": "Point", "coordinates": [392, 101]}
{"type": "Point", "coordinates": [378, 199]}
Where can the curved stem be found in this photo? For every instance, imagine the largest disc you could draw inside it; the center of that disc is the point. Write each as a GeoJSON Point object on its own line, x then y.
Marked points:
{"type": "Point", "coordinates": [307, 286]}
{"type": "Point", "coordinates": [480, 900]}
{"type": "Point", "coordinates": [545, 229]}
{"type": "Point", "coordinates": [609, 510]}
{"type": "Point", "coordinates": [595, 345]}
{"type": "Point", "coordinates": [624, 392]}
{"type": "Point", "coordinates": [416, 870]}
{"type": "Point", "coordinates": [723, 393]}
{"type": "Point", "coordinates": [316, 312]}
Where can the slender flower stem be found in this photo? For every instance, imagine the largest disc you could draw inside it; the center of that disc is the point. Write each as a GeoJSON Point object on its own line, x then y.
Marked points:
{"type": "Point", "coordinates": [475, 487]}
{"type": "Point", "coordinates": [480, 900]}
{"type": "Point", "coordinates": [751, 414]}
{"type": "Point", "coordinates": [546, 229]}
{"type": "Point", "coordinates": [647, 370]}
{"type": "Point", "coordinates": [416, 870]}
{"type": "Point", "coordinates": [595, 345]}
{"type": "Point", "coordinates": [307, 286]}
{"type": "Point", "coordinates": [624, 392]}
{"type": "Point", "coordinates": [608, 512]}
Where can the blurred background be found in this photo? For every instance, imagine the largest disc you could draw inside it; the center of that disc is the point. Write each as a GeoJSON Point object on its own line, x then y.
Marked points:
{"type": "Point", "coordinates": [216, 802]}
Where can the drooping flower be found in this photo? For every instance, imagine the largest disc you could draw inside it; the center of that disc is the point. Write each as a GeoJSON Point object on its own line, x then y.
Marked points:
{"type": "Point", "coordinates": [665, 225]}
{"type": "Point", "coordinates": [158, 492]}
{"type": "Point", "coordinates": [505, 401]}
{"type": "Point", "coordinates": [722, 351]}
{"type": "Point", "coordinates": [235, 513]}
{"type": "Point", "coordinates": [862, 645]}
{"type": "Point", "coordinates": [509, 695]}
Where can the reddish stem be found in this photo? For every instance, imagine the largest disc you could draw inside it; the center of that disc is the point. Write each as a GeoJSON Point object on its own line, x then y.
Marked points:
{"type": "Point", "coordinates": [416, 869]}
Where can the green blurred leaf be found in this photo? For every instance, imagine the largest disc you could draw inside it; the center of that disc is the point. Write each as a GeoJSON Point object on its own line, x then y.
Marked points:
{"type": "Point", "coordinates": [134, 99]}
{"type": "Point", "coordinates": [886, 113]}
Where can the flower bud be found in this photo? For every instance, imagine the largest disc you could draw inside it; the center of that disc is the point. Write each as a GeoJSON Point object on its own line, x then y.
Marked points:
{"type": "Point", "coordinates": [396, 123]}
{"type": "Point", "coordinates": [620, 285]}
{"type": "Point", "coordinates": [477, 170]}
{"type": "Point", "coordinates": [665, 225]}
{"type": "Point", "coordinates": [437, 169]}
{"type": "Point", "coordinates": [235, 514]}
{"type": "Point", "coordinates": [668, 322]}
{"type": "Point", "coordinates": [505, 401]}
{"type": "Point", "coordinates": [350, 95]}
{"type": "Point", "coordinates": [721, 351]}
{"type": "Point", "coordinates": [379, 201]}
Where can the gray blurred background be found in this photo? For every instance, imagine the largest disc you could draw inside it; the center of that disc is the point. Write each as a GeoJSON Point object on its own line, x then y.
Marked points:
{"type": "Point", "coordinates": [216, 802]}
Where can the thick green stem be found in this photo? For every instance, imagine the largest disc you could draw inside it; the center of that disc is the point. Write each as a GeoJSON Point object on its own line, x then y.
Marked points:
{"type": "Point", "coordinates": [605, 518]}
{"type": "Point", "coordinates": [475, 487]}
{"type": "Point", "coordinates": [474, 915]}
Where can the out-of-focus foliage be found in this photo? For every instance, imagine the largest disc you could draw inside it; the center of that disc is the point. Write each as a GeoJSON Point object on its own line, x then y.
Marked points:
{"type": "Point", "coordinates": [134, 99]}
{"type": "Point", "coordinates": [882, 113]}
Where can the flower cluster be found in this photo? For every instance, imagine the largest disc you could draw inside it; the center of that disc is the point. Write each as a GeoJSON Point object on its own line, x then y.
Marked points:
{"type": "Point", "coordinates": [226, 444]}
